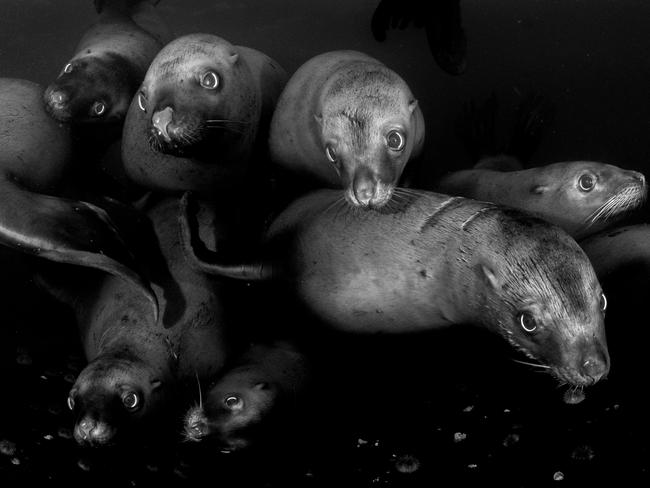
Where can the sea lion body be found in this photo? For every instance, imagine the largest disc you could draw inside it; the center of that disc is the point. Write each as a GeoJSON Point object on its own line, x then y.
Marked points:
{"type": "Point", "coordinates": [258, 394]}
{"type": "Point", "coordinates": [347, 106]}
{"type": "Point", "coordinates": [582, 197]}
{"type": "Point", "coordinates": [130, 352]}
{"type": "Point", "coordinates": [428, 261]}
{"type": "Point", "coordinates": [97, 84]}
{"type": "Point", "coordinates": [617, 248]}
{"type": "Point", "coordinates": [35, 218]}
{"type": "Point", "coordinates": [195, 137]}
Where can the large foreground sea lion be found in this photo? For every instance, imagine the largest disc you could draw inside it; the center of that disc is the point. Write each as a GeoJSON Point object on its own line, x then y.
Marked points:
{"type": "Point", "coordinates": [195, 122]}
{"type": "Point", "coordinates": [97, 84]}
{"type": "Point", "coordinates": [427, 261]}
{"type": "Point", "coordinates": [346, 120]}
{"type": "Point", "coordinates": [137, 364]}
{"type": "Point", "coordinates": [259, 395]}
{"type": "Point", "coordinates": [34, 218]}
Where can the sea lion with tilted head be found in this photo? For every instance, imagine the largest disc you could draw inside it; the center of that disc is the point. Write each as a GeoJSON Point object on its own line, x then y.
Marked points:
{"type": "Point", "coordinates": [97, 84]}
{"type": "Point", "coordinates": [346, 120]}
{"type": "Point", "coordinates": [255, 397]}
{"type": "Point", "coordinates": [196, 120]}
{"type": "Point", "coordinates": [426, 261]}
{"type": "Point", "coordinates": [35, 218]}
{"type": "Point", "coordinates": [139, 365]}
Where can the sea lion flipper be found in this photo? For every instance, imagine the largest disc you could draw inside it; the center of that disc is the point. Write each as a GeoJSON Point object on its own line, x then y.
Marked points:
{"type": "Point", "coordinates": [66, 231]}
{"type": "Point", "coordinates": [208, 261]}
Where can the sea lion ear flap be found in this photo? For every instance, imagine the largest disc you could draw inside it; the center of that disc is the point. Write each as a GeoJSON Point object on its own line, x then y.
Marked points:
{"type": "Point", "coordinates": [234, 57]}
{"type": "Point", "coordinates": [413, 105]}
{"type": "Point", "coordinates": [262, 386]}
{"type": "Point", "coordinates": [155, 384]}
{"type": "Point", "coordinates": [538, 189]}
{"type": "Point", "coordinates": [489, 275]}
{"type": "Point", "coordinates": [319, 118]}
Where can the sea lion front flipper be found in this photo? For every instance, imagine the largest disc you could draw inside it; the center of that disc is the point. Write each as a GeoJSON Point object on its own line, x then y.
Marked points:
{"type": "Point", "coordinates": [66, 231]}
{"type": "Point", "coordinates": [208, 261]}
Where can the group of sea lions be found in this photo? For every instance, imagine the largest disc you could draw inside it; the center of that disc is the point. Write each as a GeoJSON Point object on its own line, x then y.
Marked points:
{"type": "Point", "coordinates": [150, 269]}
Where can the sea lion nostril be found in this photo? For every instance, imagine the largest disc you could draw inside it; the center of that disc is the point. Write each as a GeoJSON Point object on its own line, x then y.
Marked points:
{"type": "Point", "coordinates": [58, 97]}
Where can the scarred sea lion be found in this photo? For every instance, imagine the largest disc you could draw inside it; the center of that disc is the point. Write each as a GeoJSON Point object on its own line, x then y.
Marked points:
{"type": "Point", "coordinates": [97, 84]}
{"type": "Point", "coordinates": [427, 261]}
{"type": "Point", "coordinates": [137, 364]}
{"type": "Point", "coordinates": [257, 395]}
{"type": "Point", "coordinates": [34, 218]}
{"type": "Point", "coordinates": [582, 197]}
{"type": "Point", "coordinates": [195, 122]}
{"type": "Point", "coordinates": [346, 120]}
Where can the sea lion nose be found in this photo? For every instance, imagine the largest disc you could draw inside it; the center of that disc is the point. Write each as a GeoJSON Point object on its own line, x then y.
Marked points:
{"type": "Point", "coordinates": [161, 121]}
{"type": "Point", "coordinates": [638, 176]}
{"type": "Point", "coordinates": [595, 367]}
{"type": "Point", "coordinates": [364, 187]}
{"type": "Point", "coordinates": [58, 97]}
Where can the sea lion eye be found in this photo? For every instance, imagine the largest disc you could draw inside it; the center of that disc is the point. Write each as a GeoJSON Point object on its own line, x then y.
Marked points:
{"type": "Point", "coordinates": [603, 302]}
{"type": "Point", "coordinates": [67, 68]}
{"type": "Point", "coordinates": [395, 140]}
{"type": "Point", "coordinates": [527, 322]}
{"type": "Point", "coordinates": [210, 80]}
{"type": "Point", "coordinates": [233, 402]}
{"type": "Point", "coordinates": [70, 402]}
{"type": "Point", "coordinates": [98, 108]}
{"type": "Point", "coordinates": [330, 153]}
{"type": "Point", "coordinates": [131, 400]}
{"type": "Point", "coordinates": [142, 102]}
{"type": "Point", "coordinates": [587, 182]}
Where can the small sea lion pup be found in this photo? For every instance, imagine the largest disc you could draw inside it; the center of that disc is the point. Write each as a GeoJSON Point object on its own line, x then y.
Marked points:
{"type": "Point", "coordinates": [258, 395]}
{"type": "Point", "coordinates": [194, 123]}
{"type": "Point", "coordinates": [427, 261]}
{"type": "Point", "coordinates": [34, 217]}
{"type": "Point", "coordinates": [346, 120]}
{"type": "Point", "coordinates": [137, 364]}
{"type": "Point", "coordinates": [97, 84]}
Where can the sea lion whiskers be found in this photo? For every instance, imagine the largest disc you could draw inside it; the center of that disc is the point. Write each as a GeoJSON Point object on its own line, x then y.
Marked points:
{"type": "Point", "coordinates": [630, 197]}
{"type": "Point", "coordinates": [534, 365]}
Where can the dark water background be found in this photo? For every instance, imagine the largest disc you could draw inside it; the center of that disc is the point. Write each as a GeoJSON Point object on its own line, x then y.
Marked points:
{"type": "Point", "coordinates": [465, 411]}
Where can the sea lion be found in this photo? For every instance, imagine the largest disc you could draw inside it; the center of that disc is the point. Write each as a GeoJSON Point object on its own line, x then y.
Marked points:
{"type": "Point", "coordinates": [346, 120]}
{"type": "Point", "coordinates": [196, 119]}
{"type": "Point", "coordinates": [34, 217]}
{"type": "Point", "coordinates": [137, 364]}
{"type": "Point", "coordinates": [259, 394]}
{"type": "Point", "coordinates": [582, 197]}
{"type": "Point", "coordinates": [616, 248]}
{"type": "Point", "coordinates": [97, 84]}
{"type": "Point", "coordinates": [426, 261]}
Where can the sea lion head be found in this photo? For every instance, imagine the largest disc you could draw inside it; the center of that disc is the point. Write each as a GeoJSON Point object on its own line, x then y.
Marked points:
{"type": "Point", "coordinates": [94, 88]}
{"type": "Point", "coordinates": [199, 97]}
{"type": "Point", "coordinates": [368, 131]}
{"type": "Point", "coordinates": [602, 194]}
{"type": "Point", "coordinates": [543, 294]}
{"type": "Point", "coordinates": [112, 397]}
{"type": "Point", "coordinates": [232, 415]}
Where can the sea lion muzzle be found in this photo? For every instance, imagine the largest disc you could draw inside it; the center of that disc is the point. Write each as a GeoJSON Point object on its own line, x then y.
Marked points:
{"type": "Point", "coordinates": [92, 432]}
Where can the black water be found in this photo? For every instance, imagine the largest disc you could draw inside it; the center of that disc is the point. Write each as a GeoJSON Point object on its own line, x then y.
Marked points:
{"type": "Point", "coordinates": [456, 403]}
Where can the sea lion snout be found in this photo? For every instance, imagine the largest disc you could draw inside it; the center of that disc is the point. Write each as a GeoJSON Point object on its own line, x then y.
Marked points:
{"type": "Point", "coordinates": [57, 103]}
{"type": "Point", "coordinates": [196, 424]}
{"type": "Point", "coordinates": [367, 188]}
{"type": "Point", "coordinates": [91, 432]}
{"type": "Point", "coordinates": [161, 122]}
